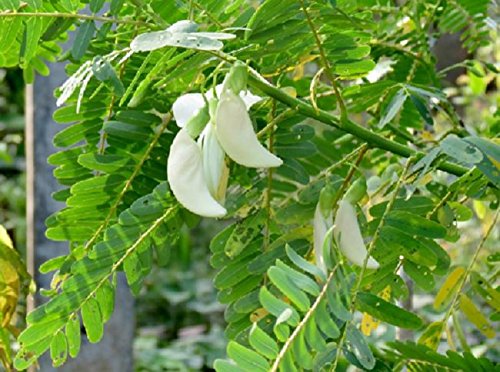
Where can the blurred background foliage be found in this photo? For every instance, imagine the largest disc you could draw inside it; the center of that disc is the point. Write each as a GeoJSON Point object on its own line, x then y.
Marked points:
{"type": "Point", "coordinates": [179, 321]}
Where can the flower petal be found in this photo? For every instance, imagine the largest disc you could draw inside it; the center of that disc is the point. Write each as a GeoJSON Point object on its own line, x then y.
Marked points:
{"type": "Point", "coordinates": [186, 178]}
{"type": "Point", "coordinates": [187, 106]}
{"type": "Point", "coordinates": [236, 134]}
{"type": "Point", "coordinates": [348, 236]}
{"type": "Point", "coordinates": [321, 225]}
{"type": "Point", "coordinates": [213, 161]}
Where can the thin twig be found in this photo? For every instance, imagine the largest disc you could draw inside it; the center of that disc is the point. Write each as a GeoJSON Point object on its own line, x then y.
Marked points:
{"type": "Point", "coordinates": [303, 322]}
{"type": "Point", "coordinates": [72, 15]}
{"type": "Point", "coordinates": [468, 271]}
{"type": "Point", "coordinates": [324, 61]}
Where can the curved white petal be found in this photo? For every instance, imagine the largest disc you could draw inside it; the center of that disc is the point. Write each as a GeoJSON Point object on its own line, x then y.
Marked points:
{"type": "Point", "coordinates": [348, 236]}
{"type": "Point", "coordinates": [187, 106]}
{"type": "Point", "coordinates": [321, 225]}
{"type": "Point", "coordinates": [213, 161]}
{"type": "Point", "coordinates": [247, 97]}
{"type": "Point", "coordinates": [236, 135]}
{"type": "Point", "coordinates": [186, 178]}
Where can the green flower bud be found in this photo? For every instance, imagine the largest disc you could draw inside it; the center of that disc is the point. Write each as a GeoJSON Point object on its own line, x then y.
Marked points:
{"type": "Point", "coordinates": [197, 123]}
{"type": "Point", "coordinates": [237, 79]}
{"type": "Point", "coordinates": [357, 191]}
{"type": "Point", "coordinates": [326, 197]}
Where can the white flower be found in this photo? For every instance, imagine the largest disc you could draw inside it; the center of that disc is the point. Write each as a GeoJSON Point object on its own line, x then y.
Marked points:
{"type": "Point", "coordinates": [348, 236]}
{"type": "Point", "coordinates": [197, 172]}
{"type": "Point", "coordinates": [187, 106]}
{"type": "Point", "coordinates": [236, 134]}
{"type": "Point", "coordinates": [187, 180]}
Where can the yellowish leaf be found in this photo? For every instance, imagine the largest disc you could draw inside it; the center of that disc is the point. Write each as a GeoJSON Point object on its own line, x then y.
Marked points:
{"type": "Point", "coordinates": [475, 316]}
{"type": "Point", "coordinates": [432, 335]}
{"type": "Point", "coordinates": [449, 288]}
{"type": "Point", "coordinates": [258, 315]}
{"type": "Point", "coordinates": [368, 324]}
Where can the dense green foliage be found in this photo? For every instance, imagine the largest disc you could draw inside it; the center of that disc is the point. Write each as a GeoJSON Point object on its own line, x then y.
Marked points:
{"type": "Point", "coordinates": [351, 95]}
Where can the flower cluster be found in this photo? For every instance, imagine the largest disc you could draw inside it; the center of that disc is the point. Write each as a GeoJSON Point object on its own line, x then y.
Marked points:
{"type": "Point", "coordinates": [196, 170]}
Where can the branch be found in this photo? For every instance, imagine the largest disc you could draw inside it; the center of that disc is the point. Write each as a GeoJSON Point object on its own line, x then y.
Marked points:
{"type": "Point", "coordinates": [303, 322]}
{"type": "Point", "coordinates": [372, 138]}
{"type": "Point", "coordinates": [5, 14]}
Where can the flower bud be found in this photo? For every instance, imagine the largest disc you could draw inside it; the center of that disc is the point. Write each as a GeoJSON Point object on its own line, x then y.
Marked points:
{"type": "Point", "coordinates": [357, 191]}
{"type": "Point", "coordinates": [348, 236]}
{"type": "Point", "coordinates": [237, 79]}
{"type": "Point", "coordinates": [326, 198]}
{"type": "Point", "coordinates": [197, 123]}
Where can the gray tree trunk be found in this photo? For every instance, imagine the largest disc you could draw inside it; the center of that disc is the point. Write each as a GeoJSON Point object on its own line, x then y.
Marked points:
{"type": "Point", "coordinates": [114, 352]}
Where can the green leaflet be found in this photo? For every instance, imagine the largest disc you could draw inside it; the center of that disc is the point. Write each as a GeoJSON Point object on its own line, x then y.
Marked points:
{"type": "Point", "coordinates": [290, 289]}
{"type": "Point", "coordinates": [393, 107]}
{"type": "Point", "coordinates": [303, 264]}
{"type": "Point", "coordinates": [33, 32]}
{"type": "Point", "coordinates": [303, 281]}
{"type": "Point", "coordinates": [88, 110]}
{"type": "Point", "coordinates": [92, 320]}
{"type": "Point", "coordinates": [301, 354]}
{"type": "Point", "coordinates": [413, 224]}
{"type": "Point", "coordinates": [485, 290]}
{"type": "Point", "coordinates": [313, 337]}
{"type": "Point", "coordinates": [461, 150]}
{"type": "Point", "coordinates": [387, 312]}
{"type": "Point", "coordinates": [263, 343]}
{"type": "Point", "coordinates": [452, 360]}
{"type": "Point", "coordinates": [84, 35]}
{"type": "Point", "coordinates": [73, 336]}
{"type": "Point", "coordinates": [225, 366]}
{"type": "Point", "coordinates": [247, 359]}
{"type": "Point", "coordinates": [419, 205]}
{"type": "Point", "coordinates": [105, 296]}
{"type": "Point", "coordinates": [276, 306]}
{"type": "Point", "coordinates": [58, 349]}
{"type": "Point", "coordinates": [243, 234]}
{"type": "Point", "coordinates": [359, 347]}
{"type": "Point", "coordinates": [422, 275]}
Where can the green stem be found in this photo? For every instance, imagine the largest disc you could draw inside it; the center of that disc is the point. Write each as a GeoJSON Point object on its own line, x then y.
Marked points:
{"type": "Point", "coordinates": [324, 61]}
{"type": "Point", "coordinates": [72, 15]}
{"type": "Point", "coordinates": [372, 138]}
